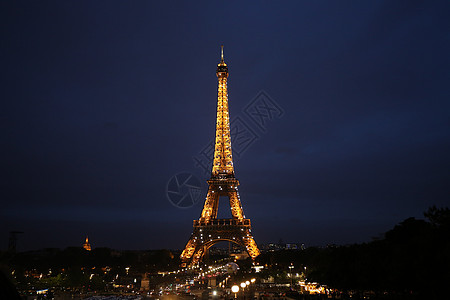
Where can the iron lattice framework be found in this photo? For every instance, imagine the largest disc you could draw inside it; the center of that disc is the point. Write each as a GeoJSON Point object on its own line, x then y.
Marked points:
{"type": "Point", "coordinates": [209, 230]}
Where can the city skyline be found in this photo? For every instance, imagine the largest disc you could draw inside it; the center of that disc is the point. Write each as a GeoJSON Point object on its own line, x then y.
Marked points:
{"type": "Point", "coordinates": [104, 103]}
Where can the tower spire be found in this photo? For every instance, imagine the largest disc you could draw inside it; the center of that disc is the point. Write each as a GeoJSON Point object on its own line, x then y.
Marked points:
{"type": "Point", "coordinates": [221, 52]}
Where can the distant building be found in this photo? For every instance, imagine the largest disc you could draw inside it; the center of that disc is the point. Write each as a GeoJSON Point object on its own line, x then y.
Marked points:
{"type": "Point", "coordinates": [282, 246]}
{"type": "Point", "coordinates": [239, 256]}
{"type": "Point", "coordinates": [86, 244]}
{"type": "Point", "coordinates": [291, 246]}
{"type": "Point", "coordinates": [145, 283]}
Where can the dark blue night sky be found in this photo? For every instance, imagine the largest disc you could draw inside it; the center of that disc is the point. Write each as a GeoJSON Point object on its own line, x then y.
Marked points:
{"type": "Point", "coordinates": [103, 102]}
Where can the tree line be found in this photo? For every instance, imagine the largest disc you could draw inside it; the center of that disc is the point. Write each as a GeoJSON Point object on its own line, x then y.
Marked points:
{"type": "Point", "coordinates": [412, 258]}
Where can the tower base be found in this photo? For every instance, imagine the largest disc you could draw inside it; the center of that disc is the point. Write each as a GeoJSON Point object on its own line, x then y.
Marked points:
{"type": "Point", "coordinates": [206, 234]}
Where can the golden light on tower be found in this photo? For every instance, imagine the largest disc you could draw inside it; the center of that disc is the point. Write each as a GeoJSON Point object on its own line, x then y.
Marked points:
{"type": "Point", "coordinates": [209, 230]}
{"type": "Point", "coordinates": [223, 160]}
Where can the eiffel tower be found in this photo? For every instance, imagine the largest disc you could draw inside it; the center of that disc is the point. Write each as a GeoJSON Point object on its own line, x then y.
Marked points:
{"type": "Point", "coordinates": [208, 230]}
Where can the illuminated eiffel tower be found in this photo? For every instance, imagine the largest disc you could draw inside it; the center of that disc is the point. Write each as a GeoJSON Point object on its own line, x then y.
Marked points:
{"type": "Point", "coordinates": [208, 230]}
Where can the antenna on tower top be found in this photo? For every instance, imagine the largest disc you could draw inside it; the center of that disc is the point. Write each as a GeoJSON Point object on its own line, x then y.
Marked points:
{"type": "Point", "coordinates": [221, 54]}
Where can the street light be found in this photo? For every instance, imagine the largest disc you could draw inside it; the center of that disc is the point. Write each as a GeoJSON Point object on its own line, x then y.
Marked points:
{"type": "Point", "coordinates": [235, 289]}
{"type": "Point", "coordinates": [243, 285]}
{"type": "Point", "coordinates": [253, 280]}
{"type": "Point", "coordinates": [290, 268]}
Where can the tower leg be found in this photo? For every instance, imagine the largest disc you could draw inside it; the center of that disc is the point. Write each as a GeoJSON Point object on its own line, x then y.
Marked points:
{"type": "Point", "coordinates": [235, 205]}
{"type": "Point", "coordinates": [211, 204]}
{"type": "Point", "coordinates": [199, 252]}
{"type": "Point", "coordinates": [189, 249]}
{"type": "Point", "coordinates": [251, 247]}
